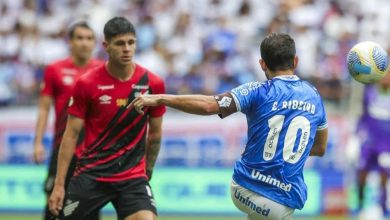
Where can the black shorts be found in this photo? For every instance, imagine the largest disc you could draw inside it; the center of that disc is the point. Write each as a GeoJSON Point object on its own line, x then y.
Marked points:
{"type": "Point", "coordinates": [85, 196]}
{"type": "Point", "coordinates": [51, 175]}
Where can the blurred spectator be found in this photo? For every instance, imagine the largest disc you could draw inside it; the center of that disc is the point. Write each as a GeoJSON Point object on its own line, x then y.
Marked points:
{"type": "Point", "coordinates": [202, 47]}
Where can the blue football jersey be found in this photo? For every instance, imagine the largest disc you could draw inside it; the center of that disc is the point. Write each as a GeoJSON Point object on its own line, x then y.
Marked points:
{"type": "Point", "coordinates": [283, 115]}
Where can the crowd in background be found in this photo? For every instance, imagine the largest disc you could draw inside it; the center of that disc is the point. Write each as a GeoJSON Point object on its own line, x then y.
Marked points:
{"type": "Point", "coordinates": [202, 46]}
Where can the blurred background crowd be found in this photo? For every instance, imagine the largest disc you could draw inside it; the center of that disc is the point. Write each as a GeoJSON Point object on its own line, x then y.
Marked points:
{"type": "Point", "coordinates": [202, 46]}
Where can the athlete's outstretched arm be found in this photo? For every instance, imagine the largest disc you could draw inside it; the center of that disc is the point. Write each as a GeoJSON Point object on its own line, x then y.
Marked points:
{"type": "Point", "coordinates": [320, 143]}
{"type": "Point", "coordinates": [40, 128]}
{"type": "Point", "coordinates": [153, 143]}
{"type": "Point", "coordinates": [67, 148]}
{"type": "Point", "coordinates": [193, 104]}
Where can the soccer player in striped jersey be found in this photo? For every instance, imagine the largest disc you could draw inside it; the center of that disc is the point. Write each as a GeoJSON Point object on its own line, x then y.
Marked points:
{"type": "Point", "coordinates": [59, 79]}
{"type": "Point", "coordinates": [120, 147]}
{"type": "Point", "coordinates": [286, 124]}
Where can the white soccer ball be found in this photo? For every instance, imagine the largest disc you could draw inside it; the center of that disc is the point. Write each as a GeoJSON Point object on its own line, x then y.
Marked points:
{"type": "Point", "coordinates": [367, 62]}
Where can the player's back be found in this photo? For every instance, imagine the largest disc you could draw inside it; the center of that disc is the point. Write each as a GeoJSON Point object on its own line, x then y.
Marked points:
{"type": "Point", "coordinates": [283, 115]}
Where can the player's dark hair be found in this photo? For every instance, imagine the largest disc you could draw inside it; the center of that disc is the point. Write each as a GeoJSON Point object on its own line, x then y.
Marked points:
{"type": "Point", "coordinates": [117, 26]}
{"type": "Point", "coordinates": [82, 24]}
{"type": "Point", "coordinates": [278, 51]}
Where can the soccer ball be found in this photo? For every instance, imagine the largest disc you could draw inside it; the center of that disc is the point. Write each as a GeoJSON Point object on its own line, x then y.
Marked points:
{"type": "Point", "coordinates": [367, 62]}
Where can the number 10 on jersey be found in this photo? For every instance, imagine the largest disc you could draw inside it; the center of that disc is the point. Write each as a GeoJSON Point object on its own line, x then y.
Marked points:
{"type": "Point", "coordinates": [275, 125]}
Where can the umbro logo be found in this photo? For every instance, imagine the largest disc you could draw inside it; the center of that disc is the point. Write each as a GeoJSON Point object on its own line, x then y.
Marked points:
{"type": "Point", "coordinates": [105, 99]}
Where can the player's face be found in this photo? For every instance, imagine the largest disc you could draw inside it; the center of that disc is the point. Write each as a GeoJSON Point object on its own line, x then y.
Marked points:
{"type": "Point", "coordinates": [121, 49]}
{"type": "Point", "coordinates": [82, 43]}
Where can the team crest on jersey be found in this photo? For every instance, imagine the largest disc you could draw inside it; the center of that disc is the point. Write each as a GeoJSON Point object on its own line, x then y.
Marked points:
{"type": "Point", "coordinates": [105, 99]}
{"type": "Point", "coordinates": [121, 102]}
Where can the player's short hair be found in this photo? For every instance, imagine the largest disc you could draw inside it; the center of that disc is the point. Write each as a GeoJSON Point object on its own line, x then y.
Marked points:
{"type": "Point", "coordinates": [82, 24]}
{"type": "Point", "coordinates": [278, 51]}
{"type": "Point", "coordinates": [117, 26]}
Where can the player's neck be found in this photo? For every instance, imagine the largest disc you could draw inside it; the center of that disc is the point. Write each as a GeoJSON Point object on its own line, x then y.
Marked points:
{"type": "Point", "coordinates": [79, 62]}
{"type": "Point", "coordinates": [281, 73]}
{"type": "Point", "coordinates": [120, 72]}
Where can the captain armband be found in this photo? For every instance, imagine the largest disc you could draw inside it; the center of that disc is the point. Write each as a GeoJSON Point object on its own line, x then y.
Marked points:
{"type": "Point", "coordinates": [226, 103]}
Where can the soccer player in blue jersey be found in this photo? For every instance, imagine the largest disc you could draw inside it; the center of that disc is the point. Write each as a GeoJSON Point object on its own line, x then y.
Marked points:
{"type": "Point", "coordinates": [286, 124]}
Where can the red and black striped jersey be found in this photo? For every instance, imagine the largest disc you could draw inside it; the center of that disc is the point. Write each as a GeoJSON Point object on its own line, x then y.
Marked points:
{"type": "Point", "coordinates": [58, 82]}
{"type": "Point", "coordinates": [115, 138]}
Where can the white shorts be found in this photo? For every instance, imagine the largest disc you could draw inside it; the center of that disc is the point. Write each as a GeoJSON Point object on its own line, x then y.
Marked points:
{"type": "Point", "coordinates": [258, 207]}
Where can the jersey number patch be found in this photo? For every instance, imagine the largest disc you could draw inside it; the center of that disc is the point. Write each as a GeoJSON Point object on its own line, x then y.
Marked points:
{"type": "Point", "coordinates": [275, 125]}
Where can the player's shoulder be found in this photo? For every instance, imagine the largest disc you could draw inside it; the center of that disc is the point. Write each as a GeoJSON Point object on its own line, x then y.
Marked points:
{"type": "Point", "coordinates": [153, 77]}
{"type": "Point", "coordinates": [311, 87]}
{"type": "Point", "coordinates": [250, 88]}
{"type": "Point", "coordinates": [58, 64]}
{"type": "Point", "coordinates": [92, 75]}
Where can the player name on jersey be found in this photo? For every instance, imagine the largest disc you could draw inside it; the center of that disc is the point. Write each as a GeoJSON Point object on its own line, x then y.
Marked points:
{"type": "Point", "coordinates": [294, 105]}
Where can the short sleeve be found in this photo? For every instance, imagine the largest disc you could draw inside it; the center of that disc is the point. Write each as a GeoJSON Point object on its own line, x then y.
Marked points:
{"type": "Point", "coordinates": [323, 121]}
{"type": "Point", "coordinates": [158, 87]}
{"type": "Point", "coordinates": [79, 101]}
{"type": "Point", "coordinates": [243, 95]}
{"type": "Point", "coordinates": [48, 83]}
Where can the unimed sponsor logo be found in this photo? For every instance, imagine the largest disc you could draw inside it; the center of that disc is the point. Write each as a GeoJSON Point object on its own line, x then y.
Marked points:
{"type": "Point", "coordinates": [270, 180]}
{"type": "Point", "coordinates": [246, 201]}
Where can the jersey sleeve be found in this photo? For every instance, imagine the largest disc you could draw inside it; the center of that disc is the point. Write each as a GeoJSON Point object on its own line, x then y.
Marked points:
{"type": "Point", "coordinates": [323, 121]}
{"type": "Point", "coordinates": [158, 87]}
{"type": "Point", "coordinates": [79, 101]}
{"type": "Point", "coordinates": [243, 95]}
{"type": "Point", "coordinates": [48, 84]}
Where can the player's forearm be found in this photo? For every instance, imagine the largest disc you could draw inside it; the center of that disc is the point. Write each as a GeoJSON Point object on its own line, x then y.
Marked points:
{"type": "Point", "coordinates": [40, 128]}
{"type": "Point", "coordinates": [320, 143]}
{"type": "Point", "coordinates": [67, 148]}
{"type": "Point", "coordinates": [65, 155]}
{"type": "Point", "coordinates": [152, 149]}
{"type": "Point", "coordinates": [194, 104]}
{"type": "Point", "coordinates": [315, 151]}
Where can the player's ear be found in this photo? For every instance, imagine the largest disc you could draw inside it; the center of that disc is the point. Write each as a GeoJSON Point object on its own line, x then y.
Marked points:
{"type": "Point", "coordinates": [296, 60]}
{"type": "Point", "coordinates": [105, 45]}
{"type": "Point", "coordinates": [263, 65]}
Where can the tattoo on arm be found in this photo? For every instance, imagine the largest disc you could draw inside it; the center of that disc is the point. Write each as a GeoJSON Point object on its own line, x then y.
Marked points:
{"type": "Point", "coordinates": [152, 150]}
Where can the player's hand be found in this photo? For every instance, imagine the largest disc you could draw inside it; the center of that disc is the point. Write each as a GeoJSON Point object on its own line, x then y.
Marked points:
{"type": "Point", "coordinates": [56, 200]}
{"type": "Point", "coordinates": [39, 153]}
{"type": "Point", "coordinates": [141, 101]}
